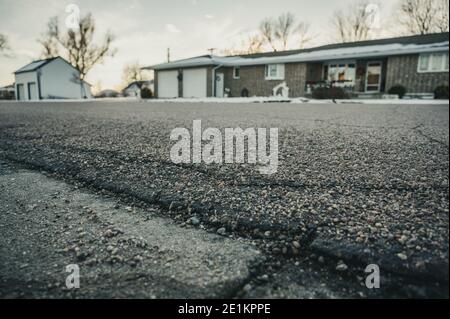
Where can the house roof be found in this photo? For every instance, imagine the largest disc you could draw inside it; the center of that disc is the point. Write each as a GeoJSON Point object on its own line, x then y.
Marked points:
{"type": "Point", "coordinates": [7, 87]}
{"type": "Point", "coordinates": [35, 65]}
{"type": "Point", "coordinates": [362, 49]}
{"type": "Point", "coordinates": [139, 84]}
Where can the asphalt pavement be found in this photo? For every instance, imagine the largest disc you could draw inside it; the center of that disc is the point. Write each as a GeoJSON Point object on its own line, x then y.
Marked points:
{"type": "Point", "coordinates": [356, 185]}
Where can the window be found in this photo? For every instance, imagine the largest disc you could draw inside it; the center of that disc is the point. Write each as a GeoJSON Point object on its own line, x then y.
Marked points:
{"type": "Point", "coordinates": [424, 61]}
{"type": "Point", "coordinates": [433, 62]}
{"type": "Point", "coordinates": [237, 72]}
{"type": "Point", "coordinates": [342, 74]}
{"type": "Point", "coordinates": [274, 72]}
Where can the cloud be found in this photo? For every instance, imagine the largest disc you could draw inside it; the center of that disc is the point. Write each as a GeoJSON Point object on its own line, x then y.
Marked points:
{"type": "Point", "coordinates": [172, 28]}
{"type": "Point", "coordinates": [209, 16]}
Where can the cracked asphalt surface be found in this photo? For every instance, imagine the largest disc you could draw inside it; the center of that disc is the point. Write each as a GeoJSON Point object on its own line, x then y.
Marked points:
{"type": "Point", "coordinates": [356, 184]}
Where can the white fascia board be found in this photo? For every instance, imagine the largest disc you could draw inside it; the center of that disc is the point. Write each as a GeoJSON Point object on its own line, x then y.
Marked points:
{"type": "Point", "coordinates": [192, 62]}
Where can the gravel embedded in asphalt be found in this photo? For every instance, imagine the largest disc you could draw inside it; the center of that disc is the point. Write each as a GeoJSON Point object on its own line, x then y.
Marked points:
{"type": "Point", "coordinates": [357, 182]}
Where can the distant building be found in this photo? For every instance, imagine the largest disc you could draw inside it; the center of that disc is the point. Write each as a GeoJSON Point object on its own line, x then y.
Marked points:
{"type": "Point", "coordinates": [419, 63]}
{"type": "Point", "coordinates": [107, 93]}
{"type": "Point", "coordinates": [53, 78]}
{"type": "Point", "coordinates": [7, 92]}
{"type": "Point", "coordinates": [134, 88]}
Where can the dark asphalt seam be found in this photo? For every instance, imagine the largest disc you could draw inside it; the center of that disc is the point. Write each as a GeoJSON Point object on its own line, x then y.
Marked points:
{"type": "Point", "coordinates": [256, 182]}
{"type": "Point", "coordinates": [431, 139]}
{"type": "Point", "coordinates": [243, 231]}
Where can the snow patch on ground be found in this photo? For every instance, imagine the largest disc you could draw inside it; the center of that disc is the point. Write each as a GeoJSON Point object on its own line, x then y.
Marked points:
{"type": "Point", "coordinates": [388, 101]}
{"type": "Point", "coordinates": [255, 99]}
{"type": "Point", "coordinates": [274, 99]}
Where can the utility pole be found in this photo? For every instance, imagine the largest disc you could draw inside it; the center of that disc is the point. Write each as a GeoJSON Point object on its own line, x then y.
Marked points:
{"type": "Point", "coordinates": [168, 55]}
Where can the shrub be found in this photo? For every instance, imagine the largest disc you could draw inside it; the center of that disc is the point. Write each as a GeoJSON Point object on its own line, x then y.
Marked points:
{"type": "Point", "coordinates": [329, 93]}
{"type": "Point", "coordinates": [399, 90]}
{"type": "Point", "coordinates": [441, 92]}
{"type": "Point", "coordinates": [146, 93]}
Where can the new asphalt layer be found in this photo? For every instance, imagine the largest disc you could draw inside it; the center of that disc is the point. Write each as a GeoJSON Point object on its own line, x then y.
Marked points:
{"type": "Point", "coordinates": [356, 185]}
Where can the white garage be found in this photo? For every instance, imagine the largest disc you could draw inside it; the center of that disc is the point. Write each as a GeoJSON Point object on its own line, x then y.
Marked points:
{"type": "Point", "coordinates": [53, 78]}
{"type": "Point", "coordinates": [194, 82]}
{"type": "Point", "coordinates": [167, 84]}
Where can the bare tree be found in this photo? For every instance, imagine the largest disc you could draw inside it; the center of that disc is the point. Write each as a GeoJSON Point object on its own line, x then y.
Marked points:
{"type": "Point", "coordinates": [442, 19]}
{"type": "Point", "coordinates": [267, 29]}
{"type": "Point", "coordinates": [50, 47]}
{"type": "Point", "coordinates": [274, 34]}
{"type": "Point", "coordinates": [3, 42]}
{"type": "Point", "coordinates": [424, 16]}
{"type": "Point", "coordinates": [78, 45]}
{"type": "Point", "coordinates": [133, 72]}
{"type": "Point", "coordinates": [304, 34]}
{"type": "Point", "coordinates": [254, 44]}
{"type": "Point", "coordinates": [250, 45]}
{"type": "Point", "coordinates": [352, 24]}
{"type": "Point", "coordinates": [277, 33]}
{"type": "Point", "coordinates": [284, 28]}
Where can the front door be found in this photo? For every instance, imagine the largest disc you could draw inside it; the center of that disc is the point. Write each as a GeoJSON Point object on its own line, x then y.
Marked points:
{"type": "Point", "coordinates": [373, 76]}
{"type": "Point", "coordinates": [219, 84]}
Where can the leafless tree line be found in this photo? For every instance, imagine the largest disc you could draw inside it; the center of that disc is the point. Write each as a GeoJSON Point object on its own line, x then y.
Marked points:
{"type": "Point", "coordinates": [275, 34]}
{"type": "Point", "coordinates": [424, 16]}
{"type": "Point", "coordinates": [358, 22]}
{"type": "Point", "coordinates": [412, 16]}
{"type": "Point", "coordinates": [354, 23]}
{"type": "Point", "coordinates": [278, 32]}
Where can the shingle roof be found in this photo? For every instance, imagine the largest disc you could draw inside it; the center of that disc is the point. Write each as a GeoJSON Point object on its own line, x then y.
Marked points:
{"type": "Point", "coordinates": [33, 66]}
{"type": "Point", "coordinates": [361, 49]}
{"type": "Point", "coordinates": [139, 83]}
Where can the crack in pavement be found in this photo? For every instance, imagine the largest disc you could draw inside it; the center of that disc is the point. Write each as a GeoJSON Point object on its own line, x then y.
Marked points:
{"type": "Point", "coordinates": [383, 188]}
{"type": "Point", "coordinates": [431, 139]}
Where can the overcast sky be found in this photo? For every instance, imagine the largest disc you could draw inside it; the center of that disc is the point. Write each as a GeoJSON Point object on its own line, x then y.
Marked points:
{"type": "Point", "coordinates": [144, 29]}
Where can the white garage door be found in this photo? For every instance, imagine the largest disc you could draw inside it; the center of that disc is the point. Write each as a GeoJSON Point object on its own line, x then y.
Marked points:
{"type": "Point", "coordinates": [167, 84]}
{"type": "Point", "coordinates": [194, 82]}
{"type": "Point", "coordinates": [32, 91]}
{"type": "Point", "coordinates": [20, 92]}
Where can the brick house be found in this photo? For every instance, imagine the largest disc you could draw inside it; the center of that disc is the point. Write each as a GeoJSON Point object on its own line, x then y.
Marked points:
{"type": "Point", "coordinates": [420, 63]}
